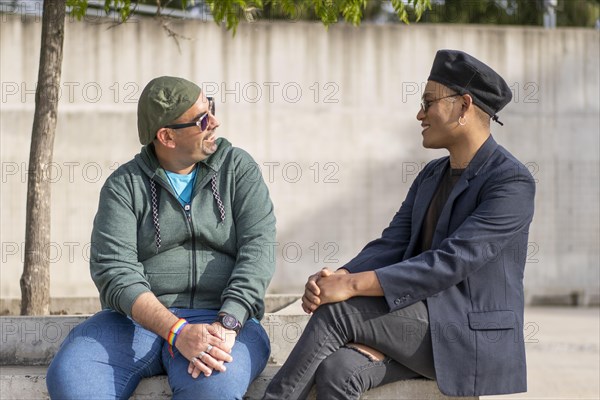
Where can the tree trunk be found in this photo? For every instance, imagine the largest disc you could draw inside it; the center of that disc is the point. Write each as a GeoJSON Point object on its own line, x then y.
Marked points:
{"type": "Point", "coordinates": [35, 281]}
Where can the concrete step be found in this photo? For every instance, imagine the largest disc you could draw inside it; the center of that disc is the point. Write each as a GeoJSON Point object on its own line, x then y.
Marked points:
{"type": "Point", "coordinates": [28, 344]}
{"type": "Point", "coordinates": [29, 382]}
{"type": "Point", "coordinates": [91, 305]}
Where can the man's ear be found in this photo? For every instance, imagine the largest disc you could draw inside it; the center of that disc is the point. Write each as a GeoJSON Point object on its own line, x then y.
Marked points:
{"type": "Point", "coordinates": [164, 136]}
{"type": "Point", "coordinates": [467, 103]}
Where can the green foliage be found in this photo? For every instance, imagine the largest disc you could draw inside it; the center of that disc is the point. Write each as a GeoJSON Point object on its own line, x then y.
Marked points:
{"type": "Point", "coordinates": [232, 11]}
{"type": "Point", "coordinates": [512, 12]}
{"type": "Point", "coordinates": [400, 10]}
{"type": "Point", "coordinates": [527, 12]}
{"type": "Point", "coordinates": [577, 12]}
{"type": "Point", "coordinates": [228, 11]}
{"type": "Point", "coordinates": [499, 12]}
{"type": "Point", "coordinates": [124, 8]}
{"type": "Point", "coordinates": [330, 11]}
{"type": "Point", "coordinates": [78, 8]}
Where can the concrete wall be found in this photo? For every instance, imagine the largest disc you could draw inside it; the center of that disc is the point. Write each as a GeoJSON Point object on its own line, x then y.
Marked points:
{"type": "Point", "coordinates": [328, 115]}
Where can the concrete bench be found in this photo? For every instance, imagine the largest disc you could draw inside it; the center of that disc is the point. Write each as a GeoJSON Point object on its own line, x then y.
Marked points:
{"type": "Point", "coordinates": [28, 344]}
{"type": "Point", "coordinates": [29, 383]}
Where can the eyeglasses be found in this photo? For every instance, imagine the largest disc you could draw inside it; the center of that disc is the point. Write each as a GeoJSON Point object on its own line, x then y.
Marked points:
{"type": "Point", "coordinates": [201, 123]}
{"type": "Point", "coordinates": [425, 104]}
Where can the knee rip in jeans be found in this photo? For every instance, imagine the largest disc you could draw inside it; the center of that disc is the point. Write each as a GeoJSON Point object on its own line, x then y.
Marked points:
{"type": "Point", "coordinates": [369, 356]}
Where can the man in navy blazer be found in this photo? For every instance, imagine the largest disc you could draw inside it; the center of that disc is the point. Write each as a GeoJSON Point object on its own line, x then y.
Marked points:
{"type": "Point", "coordinates": [440, 293]}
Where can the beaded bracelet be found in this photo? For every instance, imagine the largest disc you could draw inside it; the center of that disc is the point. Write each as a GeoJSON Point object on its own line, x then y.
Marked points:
{"type": "Point", "coordinates": [175, 330]}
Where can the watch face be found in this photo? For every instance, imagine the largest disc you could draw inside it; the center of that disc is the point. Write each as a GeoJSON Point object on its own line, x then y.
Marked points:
{"type": "Point", "coordinates": [229, 322]}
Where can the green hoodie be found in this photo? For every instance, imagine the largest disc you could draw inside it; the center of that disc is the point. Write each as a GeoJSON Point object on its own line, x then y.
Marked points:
{"type": "Point", "coordinates": [218, 255]}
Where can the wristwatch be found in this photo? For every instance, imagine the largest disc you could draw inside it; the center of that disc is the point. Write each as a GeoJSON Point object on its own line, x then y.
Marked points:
{"type": "Point", "coordinates": [230, 322]}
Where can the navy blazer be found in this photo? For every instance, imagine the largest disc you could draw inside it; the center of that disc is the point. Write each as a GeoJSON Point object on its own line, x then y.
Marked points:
{"type": "Point", "coordinates": [472, 278]}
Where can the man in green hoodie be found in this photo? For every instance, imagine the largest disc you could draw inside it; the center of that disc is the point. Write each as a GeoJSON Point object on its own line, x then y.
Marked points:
{"type": "Point", "coordinates": [180, 256]}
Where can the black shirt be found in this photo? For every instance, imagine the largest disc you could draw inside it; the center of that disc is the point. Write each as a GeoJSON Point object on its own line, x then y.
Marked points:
{"type": "Point", "coordinates": [435, 208]}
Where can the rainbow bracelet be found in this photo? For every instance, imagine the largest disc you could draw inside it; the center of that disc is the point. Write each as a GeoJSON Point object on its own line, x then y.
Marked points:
{"type": "Point", "coordinates": [175, 330]}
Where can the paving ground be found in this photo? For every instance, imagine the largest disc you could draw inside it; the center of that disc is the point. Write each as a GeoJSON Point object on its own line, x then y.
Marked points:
{"type": "Point", "coordinates": [563, 354]}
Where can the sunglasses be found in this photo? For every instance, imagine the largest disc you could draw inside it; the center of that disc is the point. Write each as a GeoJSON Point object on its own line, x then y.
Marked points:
{"type": "Point", "coordinates": [201, 123]}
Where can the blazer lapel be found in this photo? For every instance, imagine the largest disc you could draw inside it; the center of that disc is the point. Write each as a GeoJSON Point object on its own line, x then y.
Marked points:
{"type": "Point", "coordinates": [473, 169]}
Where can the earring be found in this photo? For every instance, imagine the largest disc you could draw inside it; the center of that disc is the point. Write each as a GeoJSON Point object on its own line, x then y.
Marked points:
{"type": "Point", "coordinates": [463, 122]}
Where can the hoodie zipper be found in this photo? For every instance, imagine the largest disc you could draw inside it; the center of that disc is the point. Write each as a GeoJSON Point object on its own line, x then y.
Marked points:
{"type": "Point", "coordinates": [187, 209]}
{"type": "Point", "coordinates": [188, 216]}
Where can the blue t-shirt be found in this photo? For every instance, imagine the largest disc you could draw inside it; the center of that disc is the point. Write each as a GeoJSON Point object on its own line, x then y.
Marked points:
{"type": "Point", "coordinates": [182, 185]}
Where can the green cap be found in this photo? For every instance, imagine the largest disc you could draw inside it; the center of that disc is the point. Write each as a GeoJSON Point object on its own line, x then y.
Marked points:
{"type": "Point", "coordinates": [162, 101]}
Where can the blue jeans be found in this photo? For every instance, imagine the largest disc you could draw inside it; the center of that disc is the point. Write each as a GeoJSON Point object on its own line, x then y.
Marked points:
{"type": "Point", "coordinates": [107, 356]}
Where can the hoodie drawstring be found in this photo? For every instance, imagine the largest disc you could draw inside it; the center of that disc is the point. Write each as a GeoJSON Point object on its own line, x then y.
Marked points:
{"type": "Point", "coordinates": [217, 197]}
{"type": "Point", "coordinates": [154, 194]}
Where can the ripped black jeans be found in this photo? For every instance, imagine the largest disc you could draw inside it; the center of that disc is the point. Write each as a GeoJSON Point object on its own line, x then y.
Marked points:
{"type": "Point", "coordinates": [320, 356]}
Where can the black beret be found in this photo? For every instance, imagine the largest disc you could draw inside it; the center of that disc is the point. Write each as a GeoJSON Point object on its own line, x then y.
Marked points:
{"type": "Point", "coordinates": [464, 74]}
